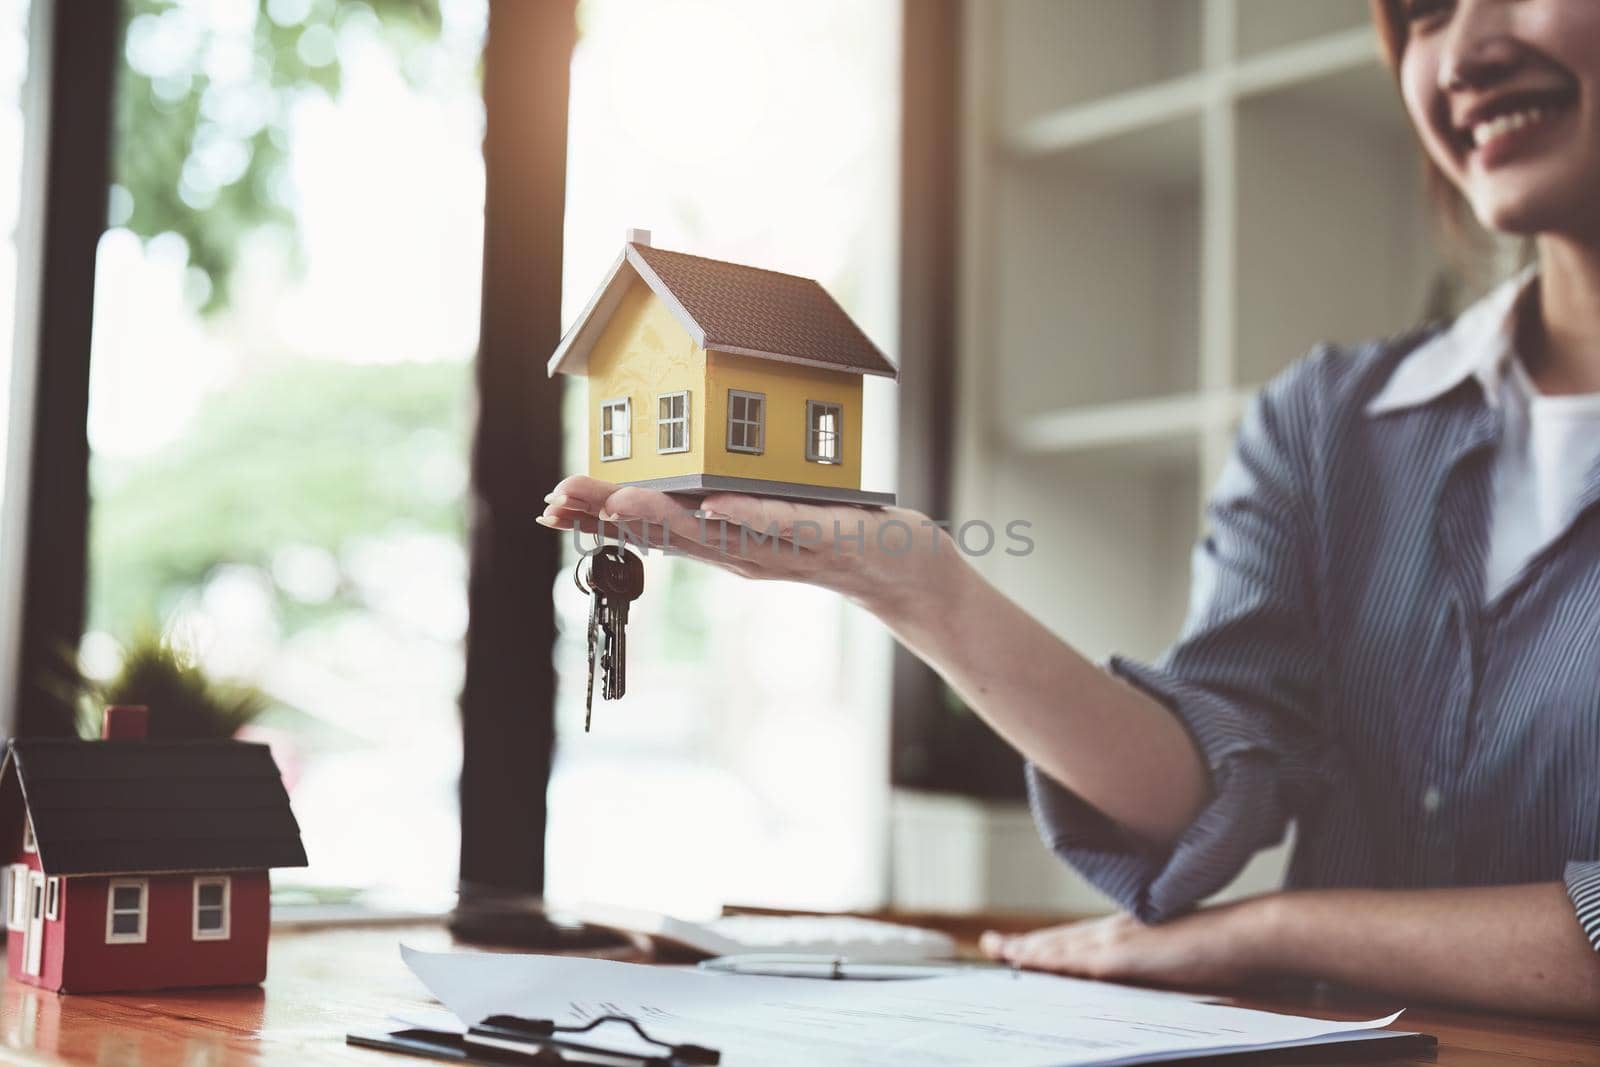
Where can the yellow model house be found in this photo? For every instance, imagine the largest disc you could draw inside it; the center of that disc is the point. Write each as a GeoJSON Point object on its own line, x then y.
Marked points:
{"type": "Point", "coordinates": [707, 376]}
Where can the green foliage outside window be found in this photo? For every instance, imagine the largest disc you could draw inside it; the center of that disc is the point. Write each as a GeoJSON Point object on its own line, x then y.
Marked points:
{"type": "Point", "coordinates": [201, 126]}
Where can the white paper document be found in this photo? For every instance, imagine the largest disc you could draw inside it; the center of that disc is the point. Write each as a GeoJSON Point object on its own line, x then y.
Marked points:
{"type": "Point", "coordinates": [985, 1017]}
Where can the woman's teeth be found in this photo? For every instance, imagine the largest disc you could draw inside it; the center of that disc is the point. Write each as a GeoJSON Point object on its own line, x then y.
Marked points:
{"type": "Point", "coordinates": [1484, 132]}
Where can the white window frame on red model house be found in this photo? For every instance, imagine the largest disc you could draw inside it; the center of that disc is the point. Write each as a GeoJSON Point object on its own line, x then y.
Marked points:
{"type": "Point", "coordinates": [138, 936]}
{"type": "Point", "coordinates": [16, 896]}
{"type": "Point", "coordinates": [223, 908]}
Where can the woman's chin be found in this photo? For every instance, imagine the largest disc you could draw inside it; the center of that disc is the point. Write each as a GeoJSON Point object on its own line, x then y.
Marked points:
{"type": "Point", "coordinates": [1526, 210]}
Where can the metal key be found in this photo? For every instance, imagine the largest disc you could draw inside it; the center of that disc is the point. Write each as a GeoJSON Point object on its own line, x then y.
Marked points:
{"type": "Point", "coordinates": [617, 575]}
{"type": "Point", "coordinates": [593, 632]}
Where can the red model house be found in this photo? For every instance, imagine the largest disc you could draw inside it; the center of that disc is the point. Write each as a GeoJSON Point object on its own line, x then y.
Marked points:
{"type": "Point", "coordinates": [140, 864]}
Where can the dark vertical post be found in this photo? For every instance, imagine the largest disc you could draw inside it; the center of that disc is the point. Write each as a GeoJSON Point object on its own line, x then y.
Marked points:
{"type": "Point", "coordinates": [508, 700]}
{"type": "Point", "coordinates": [929, 162]}
{"type": "Point", "coordinates": [72, 51]}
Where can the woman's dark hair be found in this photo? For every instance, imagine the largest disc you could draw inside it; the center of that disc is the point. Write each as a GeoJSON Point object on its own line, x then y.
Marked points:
{"type": "Point", "coordinates": [1449, 206]}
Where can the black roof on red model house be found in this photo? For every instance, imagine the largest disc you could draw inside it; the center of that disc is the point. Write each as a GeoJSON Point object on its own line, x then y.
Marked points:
{"type": "Point", "coordinates": [146, 807]}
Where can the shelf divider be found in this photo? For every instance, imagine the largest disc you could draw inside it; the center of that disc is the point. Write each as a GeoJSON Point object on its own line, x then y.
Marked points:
{"type": "Point", "coordinates": [1109, 117]}
{"type": "Point", "coordinates": [1296, 64]}
{"type": "Point", "coordinates": [1137, 110]}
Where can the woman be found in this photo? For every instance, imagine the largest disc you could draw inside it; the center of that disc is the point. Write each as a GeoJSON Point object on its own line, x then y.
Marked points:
{"type": "Point", "coordinates": [1395, 639]}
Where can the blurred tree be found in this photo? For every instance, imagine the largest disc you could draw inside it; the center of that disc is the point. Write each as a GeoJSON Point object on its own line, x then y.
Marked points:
{"type": "Point", "coordinates": [351, 445]}
{"type": "Point", "coordinates": [201, 137]}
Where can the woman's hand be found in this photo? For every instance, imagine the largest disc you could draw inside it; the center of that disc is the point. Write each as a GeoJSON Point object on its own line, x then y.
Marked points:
{"type": "Point", "coordinates": [872, 555]}
{"type": "Point", "coordinates": [1209, 949]}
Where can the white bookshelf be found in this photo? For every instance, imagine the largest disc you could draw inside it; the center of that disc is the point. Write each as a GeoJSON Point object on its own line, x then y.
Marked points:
{"type": "Point", "coordinates": [1165, 202]}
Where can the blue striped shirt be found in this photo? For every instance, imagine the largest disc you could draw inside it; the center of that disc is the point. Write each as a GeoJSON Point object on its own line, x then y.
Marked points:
{"type": "Point", "coordinates": [1340, 666]}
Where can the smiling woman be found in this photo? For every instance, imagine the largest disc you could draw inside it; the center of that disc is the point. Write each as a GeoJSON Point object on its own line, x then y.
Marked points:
{"type": "Point", "coordinates": [1390, 639]}
{"type": "Point", "coordinates": [1542, 119]}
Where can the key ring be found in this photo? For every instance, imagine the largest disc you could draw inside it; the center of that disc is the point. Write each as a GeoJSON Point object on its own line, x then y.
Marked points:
{"type": "Point", "coordinates": [600, 544]}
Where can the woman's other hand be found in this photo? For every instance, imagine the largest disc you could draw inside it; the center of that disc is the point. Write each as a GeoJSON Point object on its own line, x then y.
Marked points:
{"type": "Point", "coordinates": [1209, 949]}
{"type": "Point", "coordinates": [872, 555]}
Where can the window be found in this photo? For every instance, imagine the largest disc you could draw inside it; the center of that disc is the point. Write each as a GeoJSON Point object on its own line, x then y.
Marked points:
{"type": "Point", "coordinates": [296, 233]}
{"type": "Point", "coordinates": [127, 901]}
{"type": "Point", "coordinates": [824, 425]}
{"type": "Point", "coordinates": [616, 417]}
{"type": "Point", "coordinates": [29, 843]}
{"type": "Point", "coordinates": [746, 421]}
{"type": "Point", "coordinates": [672, 422]}
{"type": "Point", "coordinates": [649, 791]}
{"type": "Point", "coordinates": [52, 898]}
{"type": "Point", "coordinates": [212, 903]}
{"type": "Point", "coordinates": [13, 896]}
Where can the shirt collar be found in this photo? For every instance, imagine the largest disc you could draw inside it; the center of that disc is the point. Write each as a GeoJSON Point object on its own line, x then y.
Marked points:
{"type": "Point", "coordinates": [1478, 344]}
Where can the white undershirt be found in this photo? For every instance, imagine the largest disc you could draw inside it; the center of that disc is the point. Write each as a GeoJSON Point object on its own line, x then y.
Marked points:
{"type": "Point", "coordinates": [1548, 447]}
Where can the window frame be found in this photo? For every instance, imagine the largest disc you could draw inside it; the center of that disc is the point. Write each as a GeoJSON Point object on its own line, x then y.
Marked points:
{"type": "Point", "coordinates": [143, 933]}
{"type": "Point", "coordinates": [760, 423]}
{"type": "Point", "coordinates": [678, 422]}
{"type": "Point", "coordinates": [225, 932]}
{"type": "Point", "coordinates": [813, 435]}
{"type": "Point", "coordinates": [30, 841]}
{"type": "Point", "coordinates": [52, 898]}
{"type": "Point", "coordinates": [625, 403]}
{"type": "Point", "coordinates": [16, 873]}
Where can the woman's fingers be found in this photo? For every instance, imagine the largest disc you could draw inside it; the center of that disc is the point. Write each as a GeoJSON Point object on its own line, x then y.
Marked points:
{"type": "Point", "coordinates": [1057, 948]}
{"type": "Point", "coordinates": [579, 492]}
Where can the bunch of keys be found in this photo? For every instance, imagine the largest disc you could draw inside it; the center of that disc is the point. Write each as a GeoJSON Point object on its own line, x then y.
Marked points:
{"type": "Point", "coordinates": [614, 580]}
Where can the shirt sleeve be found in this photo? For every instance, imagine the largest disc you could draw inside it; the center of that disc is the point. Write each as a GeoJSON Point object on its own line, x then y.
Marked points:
{"type": "Point", "coordinates": [1583, 886]}
{"type": "Point", "coordinates": [1243, 678]}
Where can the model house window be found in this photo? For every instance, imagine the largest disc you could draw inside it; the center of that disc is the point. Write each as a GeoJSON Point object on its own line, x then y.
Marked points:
{"type": "Point", "coordinates": [127, 907]}
{"type": "Point", "coordinates": [672, 422]}
{"type": "Point", "coordinates": [747, 414]}
{"type": "Point", "coordinates": [13, 895]}
{"type": "Point", "coordinates": [824, 428]}
{"type": "Point", "coordinates": [615, 435]}
{"type": "Point", "coordinates": [211, 906]}
{"type": "Point", "coordinates": [52, 898]}
{"type": "Point", "coordinates": [29, 843]}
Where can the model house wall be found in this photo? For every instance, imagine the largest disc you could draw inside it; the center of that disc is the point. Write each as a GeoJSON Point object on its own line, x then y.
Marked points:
{"type": "Point", "coordinates": [786, 387]}
{"type": "Point", "coordinates": [171, 953]}
{"type": "Point", "coordinates": [65, 923]}
{"type": "Point", "coordinates": [642, 353]}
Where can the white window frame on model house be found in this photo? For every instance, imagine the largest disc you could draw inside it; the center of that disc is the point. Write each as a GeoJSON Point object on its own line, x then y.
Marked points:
{"type": "Point", "coordinates": [30, 843]}
{"type": "Point", "coordinates": [615, 442]}
{"type": "Point", "coordinates": [824, 444]}
{"type": "Point", "coordinates": [672, 422]}
{"type": "Point", "coordinates": [16, 907]}
{"type": "Point", "coordinates": [52, 898]}
{"type": "Point", "coordinates": [112, 911]}
{"type": "Point", "coordinates": [223, 932]}
{"type": "Point", "coordinates": [743, 430]}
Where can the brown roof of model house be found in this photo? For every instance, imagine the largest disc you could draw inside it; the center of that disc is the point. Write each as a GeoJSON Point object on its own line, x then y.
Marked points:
{"type": "Point", "coordinates": [728, 307]}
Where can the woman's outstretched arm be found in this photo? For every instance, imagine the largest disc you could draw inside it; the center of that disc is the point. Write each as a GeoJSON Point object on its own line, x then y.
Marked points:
{"type": "Point", "coordinates": [1501, 948]}
{"type": "Point", "coordinates": [1111, 744]}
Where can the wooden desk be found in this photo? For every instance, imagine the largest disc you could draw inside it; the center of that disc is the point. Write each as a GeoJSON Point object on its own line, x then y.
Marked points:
{"type": "Point", "coordinates": [321, 984]}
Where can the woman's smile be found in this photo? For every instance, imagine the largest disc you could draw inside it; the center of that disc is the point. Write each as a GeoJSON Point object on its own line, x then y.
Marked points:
{"type": "Point", "coordinates": [1514, 125]}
